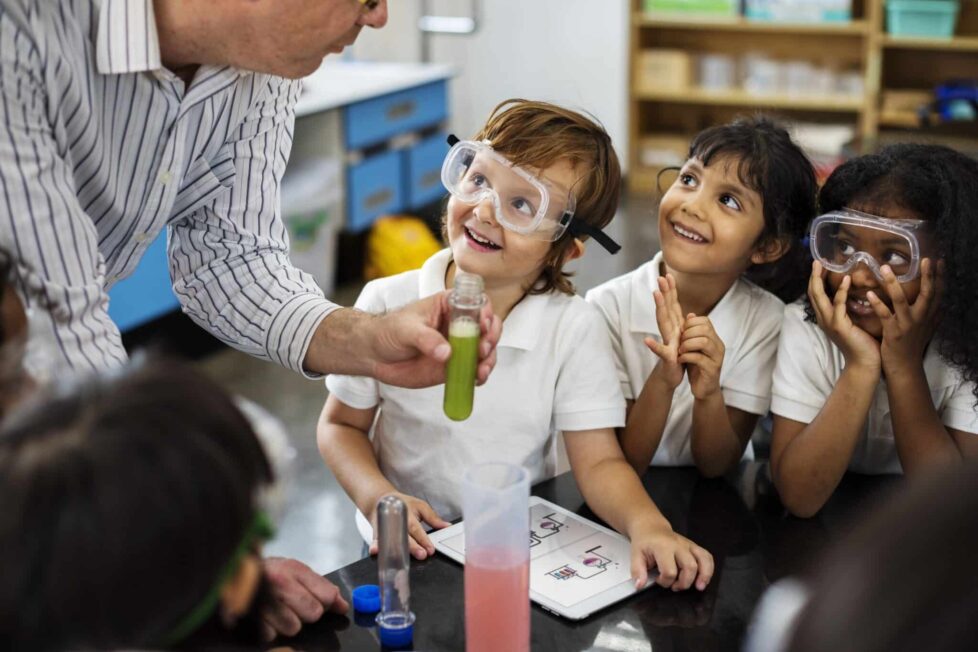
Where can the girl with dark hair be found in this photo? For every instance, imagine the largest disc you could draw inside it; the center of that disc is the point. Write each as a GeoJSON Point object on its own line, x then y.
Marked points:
{"type": "Point", "coordinates": [880, 376]}
{"type": "Point", "coordinates": [132, 516]}
{"type": "Point", "coordinates": [736, 213]}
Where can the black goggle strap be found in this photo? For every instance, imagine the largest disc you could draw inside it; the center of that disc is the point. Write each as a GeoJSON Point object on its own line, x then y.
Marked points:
{"type": "Point", "coordinates": [578, 228]}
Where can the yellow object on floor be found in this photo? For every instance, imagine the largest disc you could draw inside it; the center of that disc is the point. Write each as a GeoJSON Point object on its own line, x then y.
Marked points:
{"type": "Point", "coordinates": [398, 243]}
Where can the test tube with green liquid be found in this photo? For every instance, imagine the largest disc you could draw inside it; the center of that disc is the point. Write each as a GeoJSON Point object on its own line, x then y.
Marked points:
{"type": "Point", "coordinates": [466, 302]}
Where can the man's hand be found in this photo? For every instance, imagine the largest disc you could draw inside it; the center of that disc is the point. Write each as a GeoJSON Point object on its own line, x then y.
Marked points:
{"type": "Point", "coordinates": [409, 348]}
{"type": "Point", "coordinates": [299, 596]}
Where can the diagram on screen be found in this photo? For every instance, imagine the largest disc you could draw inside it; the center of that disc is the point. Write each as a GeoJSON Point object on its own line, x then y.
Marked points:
{"type": "Point", "coordinates": [546, 527]}
{"type": "Point", "coordinates": [589, 565]}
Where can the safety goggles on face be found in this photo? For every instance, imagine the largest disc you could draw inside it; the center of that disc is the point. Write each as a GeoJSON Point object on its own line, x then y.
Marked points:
{"type": "Point", "coordinates": [523, 202]}
{"type": "Point", "coordinates": [842, 239]}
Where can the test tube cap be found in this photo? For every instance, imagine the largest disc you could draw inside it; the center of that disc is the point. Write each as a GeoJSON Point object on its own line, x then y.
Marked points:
{"type": "Point", "coordinates": [399, 636]}
{"type": "Point", "coordinates": [366, 598]}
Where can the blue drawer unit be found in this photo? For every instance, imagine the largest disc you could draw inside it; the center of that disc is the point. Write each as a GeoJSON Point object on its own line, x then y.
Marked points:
{"type": "Point", "coordinates": [423, 173]}
{"type": "Point", "coordinates": [373, 121]}
{"type": "Point", "coordinates": [148, 293]}
{"type": "Point", "coordinates": [374, 188]}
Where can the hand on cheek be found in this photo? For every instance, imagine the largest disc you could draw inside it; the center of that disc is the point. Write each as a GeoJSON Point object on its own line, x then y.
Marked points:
{"type": "Point", "coordinates": [907, 327]}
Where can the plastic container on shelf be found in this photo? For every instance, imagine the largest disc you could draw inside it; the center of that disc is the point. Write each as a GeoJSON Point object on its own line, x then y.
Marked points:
{"type": "Point", "coordinates": [716, 8]}
{"type": "Point", "coordinates": [662, 69]}
{"type": "Point", "coordinates": [717, 72]}
{"type": "Point", "coordinates": [928, 18]}
{"type": "Point", "coordinates": [799, 11]}
{"type": "Point", "coordinates": [312, 197]}
{"type": "Point", "coordinates": [762, 75]}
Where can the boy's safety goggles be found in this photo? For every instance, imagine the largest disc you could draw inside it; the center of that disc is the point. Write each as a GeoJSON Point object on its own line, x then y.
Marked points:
{"type": "Point", "coordinates": [842, 239]}
{"type": "Point", "coordinates": [523, 202]}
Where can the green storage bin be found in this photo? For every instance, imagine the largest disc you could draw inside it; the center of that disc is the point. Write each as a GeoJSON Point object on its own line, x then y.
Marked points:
{"type": "Point", "coordinates": [929, 18]}
{"type": "Point", "coordinates": [698, 7]}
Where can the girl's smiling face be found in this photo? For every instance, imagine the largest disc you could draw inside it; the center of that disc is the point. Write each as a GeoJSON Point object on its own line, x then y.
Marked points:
{"type": "Point", "coordinates": [709, 221]}
{"type": "Point", "coordinates": [864, 280]}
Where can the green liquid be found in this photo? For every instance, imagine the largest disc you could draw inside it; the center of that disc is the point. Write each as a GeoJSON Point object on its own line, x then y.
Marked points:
{"type": "Point", "coordinates": [463, 336]}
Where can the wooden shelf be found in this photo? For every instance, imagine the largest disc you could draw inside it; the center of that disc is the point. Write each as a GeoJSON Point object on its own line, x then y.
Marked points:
{"type": "Point", "coordinates": [955, 44]}
{"type": "Point", "coordinates": [903, 119]}
{"type": "Point", "coordinates": [840, 104]}
{"type": "Point", "coordinates": [740, 24]}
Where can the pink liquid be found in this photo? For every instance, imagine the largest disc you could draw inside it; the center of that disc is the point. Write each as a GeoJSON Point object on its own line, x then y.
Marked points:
{"type": "Point", "coordinates": [497, 601]}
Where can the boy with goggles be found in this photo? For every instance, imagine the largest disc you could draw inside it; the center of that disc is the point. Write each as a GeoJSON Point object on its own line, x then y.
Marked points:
{"type": "Point", "coordinates": [525, 193]}
{"type": "Point", "coordinates": [842, 239]}
{"type": "Point", "coordinates": [523, 202]}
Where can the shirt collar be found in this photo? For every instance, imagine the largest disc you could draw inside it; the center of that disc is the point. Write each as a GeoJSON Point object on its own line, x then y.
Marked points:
{"type": "Point", "coordinates": [127, 40]}
{"type": "Point", "coordinates": [521, 330]}
{"type": "Point", "coordinates": [642, 316]}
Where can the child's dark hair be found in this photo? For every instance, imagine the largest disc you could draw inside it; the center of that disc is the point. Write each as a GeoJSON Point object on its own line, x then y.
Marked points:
{"type": "Point", "coordinates": [123, 499]}
{"type": "Point", "coordinates": [885, 587]}
{"type": "Point", "coordinates": [772, 165]}
{"type": "Point", "coordinates": [538, 134]}
{"type": "Point", "coordinates": [938, 184]}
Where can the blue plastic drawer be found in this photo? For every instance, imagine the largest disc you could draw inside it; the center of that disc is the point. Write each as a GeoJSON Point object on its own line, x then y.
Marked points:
{"type": "Point", "coordinates": [423, 171]}
{"type": "Point", "coordinates": [931, 18]}
{"type": "Point", "coordinates": [378, 119]}
{"type": "Point", "coordinates": [374, 188]}
{"type": "Point", "coordinates": [148, 293]}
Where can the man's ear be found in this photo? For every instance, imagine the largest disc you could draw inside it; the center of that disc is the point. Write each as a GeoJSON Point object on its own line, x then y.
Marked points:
{"type": "Point", "coordinates": [575, 251]}
{"type": "Point", "coordinates": [770, 250]}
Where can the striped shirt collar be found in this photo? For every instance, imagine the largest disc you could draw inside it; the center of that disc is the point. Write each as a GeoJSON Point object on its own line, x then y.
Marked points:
{"type": "Point", "coordinates": [127, 40]}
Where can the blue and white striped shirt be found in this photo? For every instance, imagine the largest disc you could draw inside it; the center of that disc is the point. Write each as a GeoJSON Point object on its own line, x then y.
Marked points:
{"type": "Point", "coordinates": [101, 148]}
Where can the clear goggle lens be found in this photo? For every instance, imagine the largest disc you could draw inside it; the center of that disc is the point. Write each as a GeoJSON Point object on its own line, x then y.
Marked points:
{"type": "Point", "coordinates": [522, 202]}
{"type": "Point", "coordinates": [843, 239]}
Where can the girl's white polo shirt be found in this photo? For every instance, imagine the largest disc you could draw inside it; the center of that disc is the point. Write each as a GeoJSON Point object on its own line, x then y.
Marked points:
{"type": "Point", "coordinates": [808, 367]}
{"type": "Point", "coordinates": [554, 372]}
{"type": "Point", "coordinates": [747, 319]}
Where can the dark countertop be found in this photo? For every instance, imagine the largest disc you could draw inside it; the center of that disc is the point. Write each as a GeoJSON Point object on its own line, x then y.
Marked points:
{"type": "Point", "coordinates": [738, 518]}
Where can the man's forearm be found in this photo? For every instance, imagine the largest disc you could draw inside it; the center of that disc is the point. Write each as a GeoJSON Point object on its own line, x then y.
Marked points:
{"type": "Point", "coordinates": [342, 344]}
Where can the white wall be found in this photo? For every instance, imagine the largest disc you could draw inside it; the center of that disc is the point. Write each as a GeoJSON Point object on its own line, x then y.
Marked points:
{"type": "Point", "coordinates": [571, 52]}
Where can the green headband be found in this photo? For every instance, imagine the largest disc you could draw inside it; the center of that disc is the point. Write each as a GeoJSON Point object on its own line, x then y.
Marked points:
{"type": "Point", "coordinates": [260, 529]}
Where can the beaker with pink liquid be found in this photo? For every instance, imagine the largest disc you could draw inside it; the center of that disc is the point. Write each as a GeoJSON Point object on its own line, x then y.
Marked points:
{"type": "Point", "coordinates": [495, 509]}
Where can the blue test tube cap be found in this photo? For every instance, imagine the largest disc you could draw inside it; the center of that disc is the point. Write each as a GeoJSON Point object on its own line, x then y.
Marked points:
{"type": "Point", "coordinates": [399, 636]}
{"type": "Point", "coordinates": [366, 598]}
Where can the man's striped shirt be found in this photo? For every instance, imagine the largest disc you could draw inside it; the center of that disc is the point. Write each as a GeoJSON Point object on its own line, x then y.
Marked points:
{"type": "Point", "coordinates": [101, 148]}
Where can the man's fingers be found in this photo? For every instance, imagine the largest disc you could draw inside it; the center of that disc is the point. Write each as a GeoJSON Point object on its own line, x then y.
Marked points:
{"type": "Point", "coordinates": [325, 591]}
{"type": "Point", "coordinates": [281, 619]}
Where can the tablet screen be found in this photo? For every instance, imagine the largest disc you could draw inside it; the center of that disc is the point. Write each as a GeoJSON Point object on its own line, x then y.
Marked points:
{"type": "Point", "coordinates": [571, 559]}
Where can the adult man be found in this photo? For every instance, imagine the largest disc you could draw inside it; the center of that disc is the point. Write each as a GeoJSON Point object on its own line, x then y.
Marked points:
{"type": "Point", "coordinates": [120, 117]}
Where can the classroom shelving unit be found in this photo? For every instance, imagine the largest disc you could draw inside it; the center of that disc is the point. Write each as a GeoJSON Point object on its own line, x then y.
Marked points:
{"type": "Point", "coordinates": [889, 65]}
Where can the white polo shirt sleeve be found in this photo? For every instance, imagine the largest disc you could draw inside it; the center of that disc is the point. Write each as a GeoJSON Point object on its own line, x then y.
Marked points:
{"type": "Point", "coordinates": [588, 393]}
{"type": "Point", "coordinates": [801, 385]}
{"type": "Point", "coordinates": [607, 303]}
{"type": "Point", "coordinates": [360, 392]}
{"type": "Point", "coordinates": [747, 383]}
{"type": "Point", "coordinates": [960, 412]}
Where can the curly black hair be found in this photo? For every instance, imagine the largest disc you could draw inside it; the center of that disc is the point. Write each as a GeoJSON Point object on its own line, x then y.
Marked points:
{"type": "Point", "coordinates": [938, 184]}
{"type": "Point", "coordinates": [772, 165]}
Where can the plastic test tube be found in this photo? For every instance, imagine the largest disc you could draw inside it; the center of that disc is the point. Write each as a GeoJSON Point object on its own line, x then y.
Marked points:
{"type": "Point", "coordinates": [395, 620]}
{"type": "Point", "coordinates": [466, 302]}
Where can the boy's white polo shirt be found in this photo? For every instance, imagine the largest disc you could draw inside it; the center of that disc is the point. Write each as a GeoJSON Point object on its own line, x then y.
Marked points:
{"type": "Point", "coordinates": [554, 371]}
{"type": "Point", "coordinates": [747, 319]}
{"type": "Point", "coordinates": [809, 366]}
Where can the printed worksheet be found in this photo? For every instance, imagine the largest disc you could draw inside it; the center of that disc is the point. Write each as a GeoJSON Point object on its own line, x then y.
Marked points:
{"type": "Point", "coordinates": [570, 561]}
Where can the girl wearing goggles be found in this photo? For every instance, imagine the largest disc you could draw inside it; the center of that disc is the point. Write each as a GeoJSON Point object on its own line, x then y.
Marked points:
{"type": "Point", "coordinates": [694, 337]}
{"type": "Point", "coordinates": [525, 193]}
{"type": "Point", "coordinates": [880, 375]}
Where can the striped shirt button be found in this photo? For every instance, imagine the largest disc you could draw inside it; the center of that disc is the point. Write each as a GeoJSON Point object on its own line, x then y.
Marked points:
{"type": "Point", "coordinates": [166, 177]}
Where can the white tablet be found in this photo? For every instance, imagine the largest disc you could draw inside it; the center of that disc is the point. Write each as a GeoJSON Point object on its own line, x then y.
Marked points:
{"type": "Point", "coordinates": [576, 566]}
